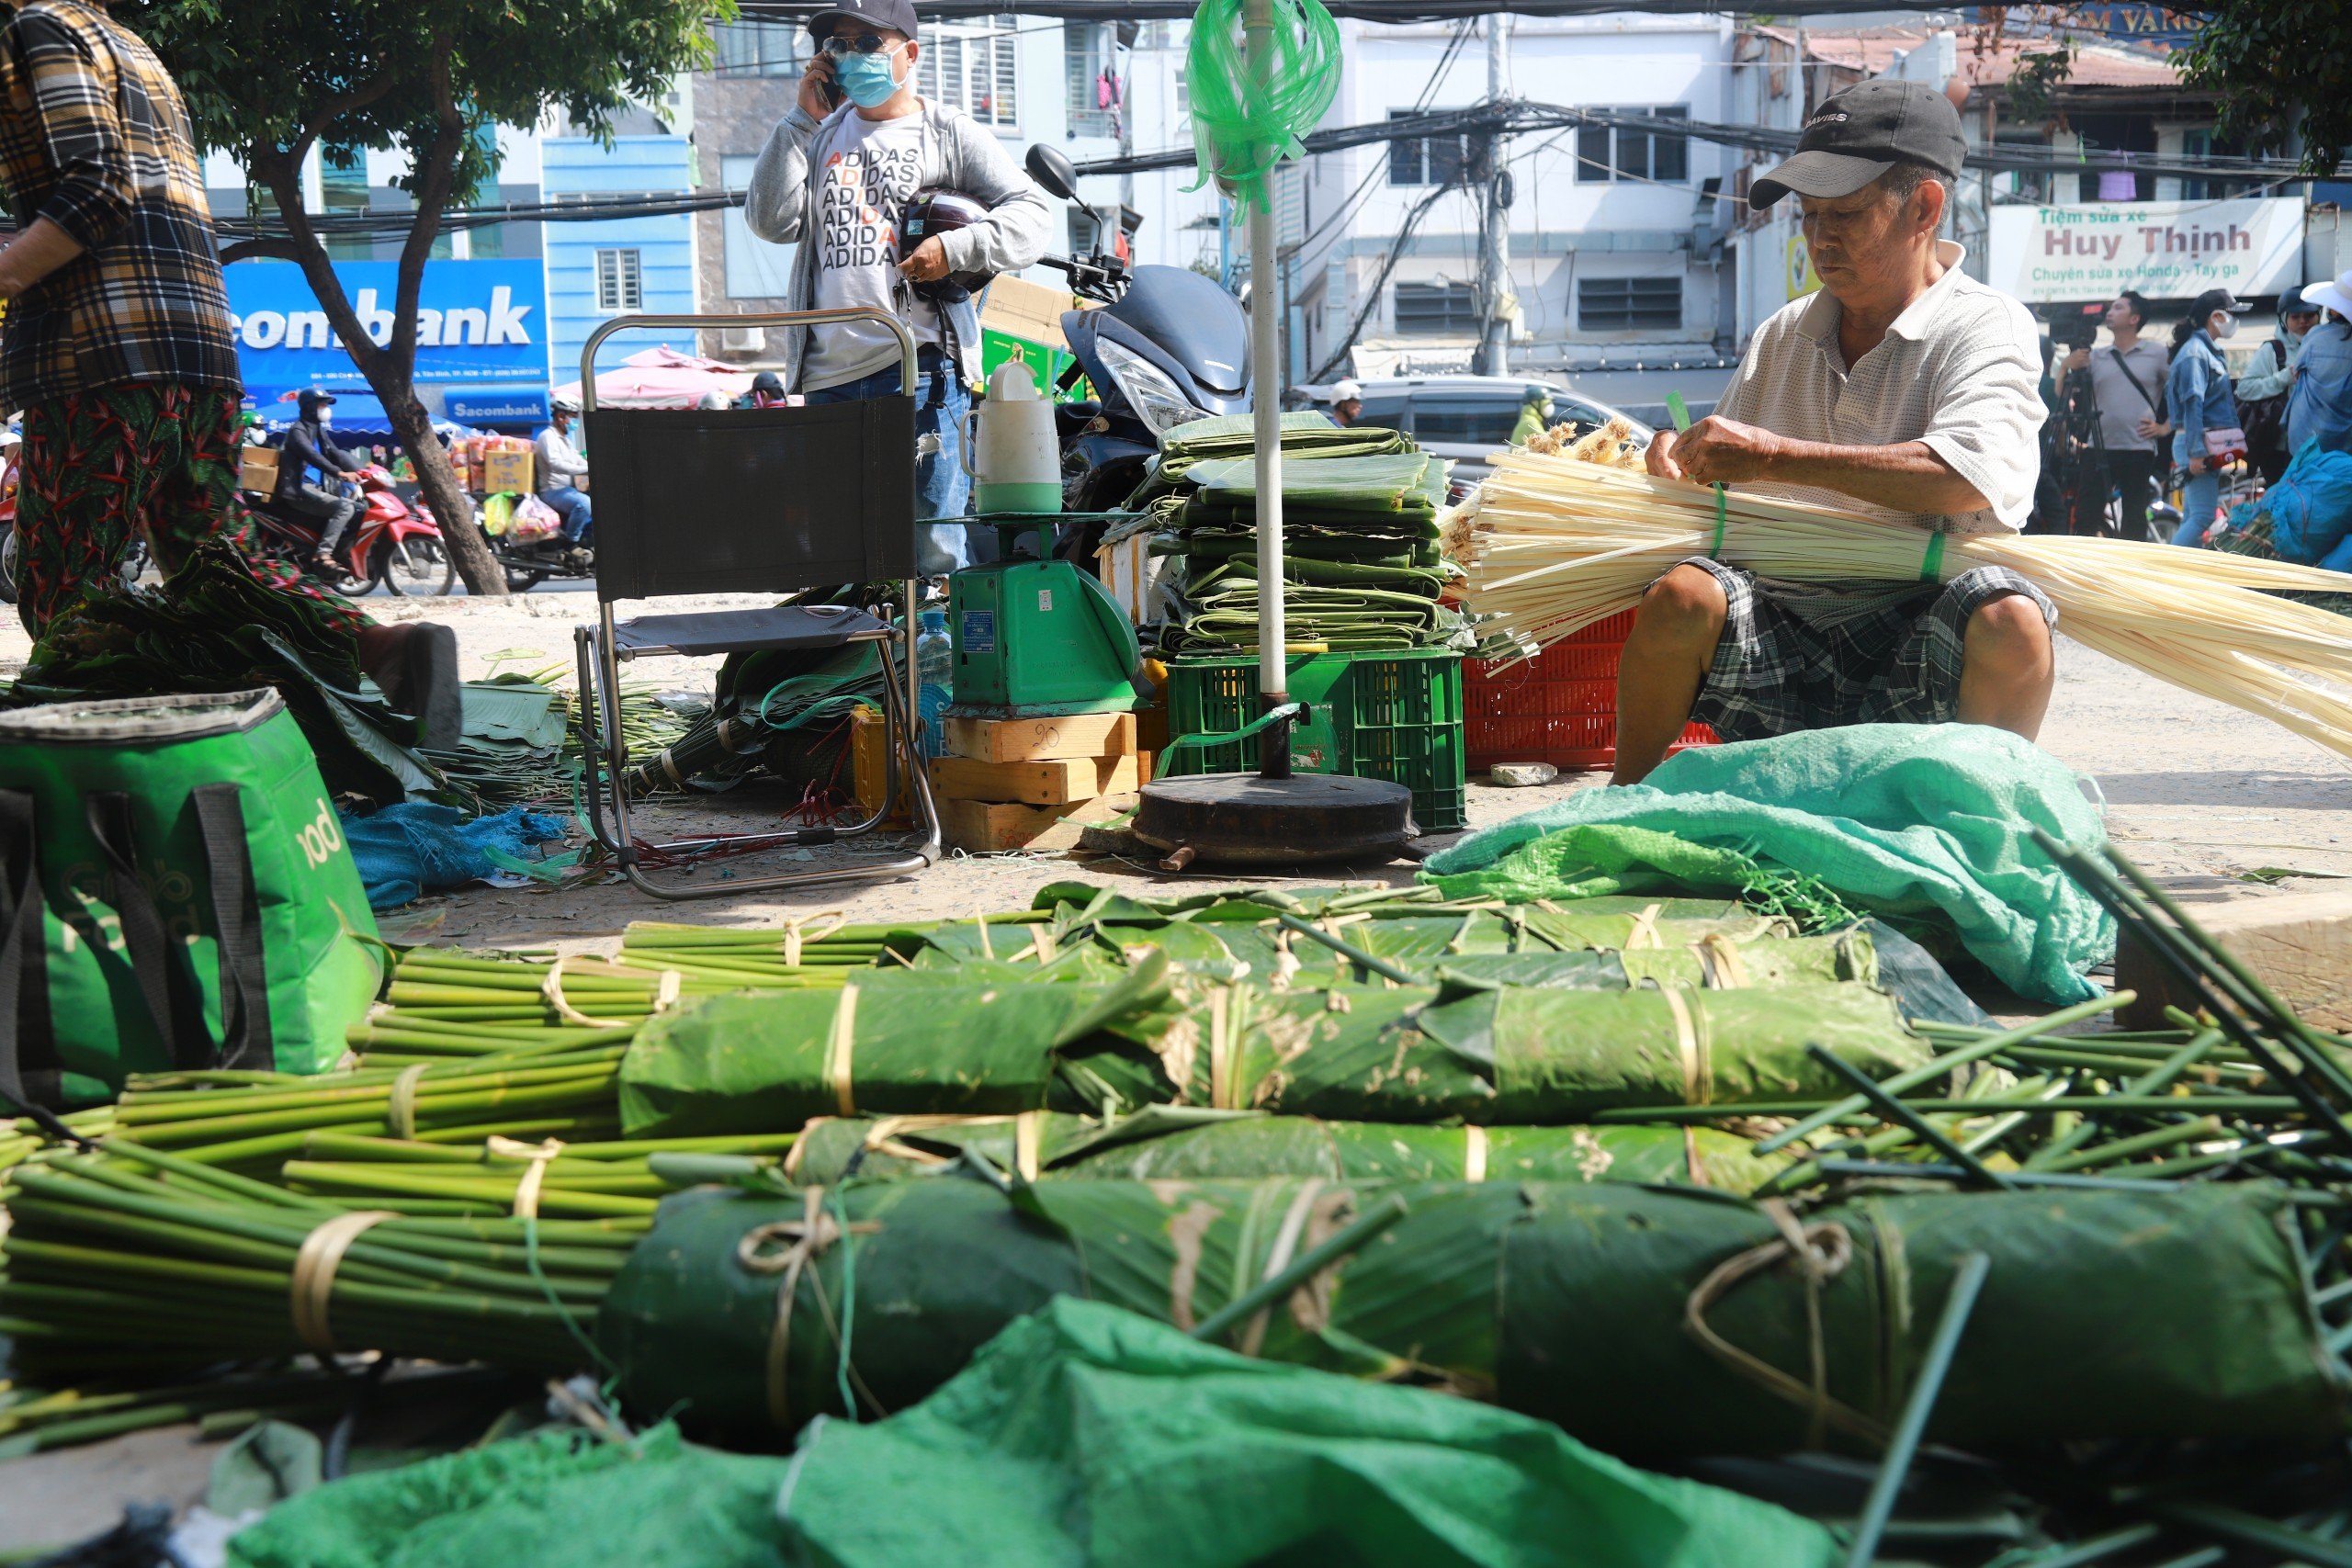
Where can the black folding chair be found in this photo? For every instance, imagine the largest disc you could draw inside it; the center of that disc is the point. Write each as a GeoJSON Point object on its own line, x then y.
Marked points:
{"type": "Point", "coordinates": [736, 501]}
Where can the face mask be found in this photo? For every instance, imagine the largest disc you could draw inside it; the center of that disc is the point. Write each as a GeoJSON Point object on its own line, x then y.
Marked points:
{"type": "Point", "coordinates": [326, 417]}
{"type": "Point", "coordinates": [870, 80]}
{"type": "Point", "coordinates": [2229, 326]}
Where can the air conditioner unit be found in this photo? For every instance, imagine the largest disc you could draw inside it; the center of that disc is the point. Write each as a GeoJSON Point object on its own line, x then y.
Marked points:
{"type": "Point", "coordinates": [742, 340]}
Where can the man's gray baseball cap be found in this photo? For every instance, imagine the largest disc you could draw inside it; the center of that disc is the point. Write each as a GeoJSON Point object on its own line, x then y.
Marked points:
{"type": "Point", "coordinates": [1857, 135]}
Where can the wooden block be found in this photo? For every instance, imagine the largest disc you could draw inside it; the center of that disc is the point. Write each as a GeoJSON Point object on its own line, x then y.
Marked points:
{"type": "Point", "coordinates": [979, 826]}
{"type": "Point", "coordinates": [1042, 740]}
{"type": "Point", "coordinates": [2300, 944]}
{"type": "Point", "coordinates": [1056, 782]}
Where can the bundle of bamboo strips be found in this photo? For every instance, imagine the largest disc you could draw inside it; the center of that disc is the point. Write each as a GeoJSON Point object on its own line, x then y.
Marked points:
{"type": "Point", "coordinates": [1552, 543]}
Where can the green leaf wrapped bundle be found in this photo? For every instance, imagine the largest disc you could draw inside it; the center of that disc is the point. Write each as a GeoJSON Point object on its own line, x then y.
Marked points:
{"type": "Point", "coordinates": [2107, 1315]}
{"type": "Point", "coordinates": [912, 1043]}
{"type": "Point", "coordinates": [1173, 1143]}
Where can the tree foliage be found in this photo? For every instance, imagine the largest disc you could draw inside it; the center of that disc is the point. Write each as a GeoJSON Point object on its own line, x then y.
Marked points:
{"type": "Point", "coordinates": [2283, 70]}
{"type": "Point", "coordinates": [265, 80]}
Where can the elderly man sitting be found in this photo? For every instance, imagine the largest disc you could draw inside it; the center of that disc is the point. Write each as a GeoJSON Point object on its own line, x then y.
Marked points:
{"type": "Point", "coordinates": [1904, 390]}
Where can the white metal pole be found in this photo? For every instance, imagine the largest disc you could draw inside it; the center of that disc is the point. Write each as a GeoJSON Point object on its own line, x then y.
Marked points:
{"type": "Point", "coordinates": [1265, 393]}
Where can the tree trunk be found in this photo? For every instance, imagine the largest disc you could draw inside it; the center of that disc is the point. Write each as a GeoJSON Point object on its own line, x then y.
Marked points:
{"type": "Point", "coordinates": [391, 369]}
{"type": "Point", "coordinates": [453, 509]}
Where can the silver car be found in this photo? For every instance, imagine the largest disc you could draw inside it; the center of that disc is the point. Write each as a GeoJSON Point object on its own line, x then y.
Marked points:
{"type": "Point", "coordinates": [1469, 418]}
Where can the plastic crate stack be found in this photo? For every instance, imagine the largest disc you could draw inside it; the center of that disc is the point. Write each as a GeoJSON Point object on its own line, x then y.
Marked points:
{"type": "Point", "coordinates": [1560, 707]}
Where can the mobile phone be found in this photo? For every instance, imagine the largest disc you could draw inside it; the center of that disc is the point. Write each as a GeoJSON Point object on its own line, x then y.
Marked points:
{"type": "Point", "coordinates": [828, 88]}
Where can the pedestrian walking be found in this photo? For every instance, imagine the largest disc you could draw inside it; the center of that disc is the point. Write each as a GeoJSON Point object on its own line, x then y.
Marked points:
{"type": "Point", "coordinates": [2203, 406]}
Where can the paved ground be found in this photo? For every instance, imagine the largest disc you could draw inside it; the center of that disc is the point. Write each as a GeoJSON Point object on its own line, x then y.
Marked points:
{"type": "Point", "coordinates": [2198, 792]}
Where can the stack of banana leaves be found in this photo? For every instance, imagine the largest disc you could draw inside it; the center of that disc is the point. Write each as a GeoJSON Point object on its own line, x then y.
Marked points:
{"type": "Point", "coordinates": [783, 712]}
{"type": "Point", "coordinates": [211, 627]}
{"type": "Point", "coordinates": [1664, 1173]}
{"type": "Point", "coordinates": [1360, 536]}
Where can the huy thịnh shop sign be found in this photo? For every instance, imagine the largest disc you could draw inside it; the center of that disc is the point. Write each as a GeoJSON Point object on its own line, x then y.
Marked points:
{"type": "Point", "coordinates": [2165, 249]}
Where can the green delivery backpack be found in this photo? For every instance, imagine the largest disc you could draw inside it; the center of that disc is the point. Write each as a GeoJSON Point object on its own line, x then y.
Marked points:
{"type": "Point", "coordinates": [174, 895]}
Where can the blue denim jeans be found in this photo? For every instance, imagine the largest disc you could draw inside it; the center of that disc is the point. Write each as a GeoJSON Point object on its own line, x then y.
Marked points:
{"type": "Point", "coordinates": [942, 487]}
{"type": "Point", "coordinates": [2200, 498]}
{"type": "Point", "coordinates": [579, 519]}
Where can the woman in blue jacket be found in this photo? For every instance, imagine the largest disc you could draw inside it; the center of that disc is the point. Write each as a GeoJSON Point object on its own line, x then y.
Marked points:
{"type": "Point", "coordinates": [2197, 391]}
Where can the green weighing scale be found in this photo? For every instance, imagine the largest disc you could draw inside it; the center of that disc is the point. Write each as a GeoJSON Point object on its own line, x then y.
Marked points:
{"type": "Point", "coordinates": [1035, 636]}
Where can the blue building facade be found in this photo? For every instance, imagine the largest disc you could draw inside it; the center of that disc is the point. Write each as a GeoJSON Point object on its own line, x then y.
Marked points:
{"type": "Point", "coordinates": [620, 268]}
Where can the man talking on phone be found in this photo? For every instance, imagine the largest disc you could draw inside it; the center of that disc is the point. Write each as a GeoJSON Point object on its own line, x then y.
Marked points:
{"type": "Point", "coordinates": [834, 178]}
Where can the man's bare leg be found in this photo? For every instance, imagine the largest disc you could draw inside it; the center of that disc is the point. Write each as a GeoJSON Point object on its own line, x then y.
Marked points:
{"type": "Point", "coordinates": [2008, 666]}
{"type": "Point", "coordinates": [1666, 659]}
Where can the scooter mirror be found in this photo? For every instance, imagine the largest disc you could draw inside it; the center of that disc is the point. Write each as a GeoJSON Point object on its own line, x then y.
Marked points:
{"type": "Point", "coordinates": [1050, 168]}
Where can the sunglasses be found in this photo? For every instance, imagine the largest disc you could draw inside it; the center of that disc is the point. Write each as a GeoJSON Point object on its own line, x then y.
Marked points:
{"type": "Point", "coordinates": [841, 45]}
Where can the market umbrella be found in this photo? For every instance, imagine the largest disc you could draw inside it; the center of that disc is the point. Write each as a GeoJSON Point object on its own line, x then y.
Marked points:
{"type": "Point", "coordinates": [662, 378]}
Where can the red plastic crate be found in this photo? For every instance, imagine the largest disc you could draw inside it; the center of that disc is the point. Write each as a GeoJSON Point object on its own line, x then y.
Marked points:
{"type": "Point", "coordinates": [1558, 707]}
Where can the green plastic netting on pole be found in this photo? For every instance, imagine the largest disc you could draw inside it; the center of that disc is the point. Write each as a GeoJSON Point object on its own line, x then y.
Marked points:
{"type": "Point", "coordinates": [1248, 112]}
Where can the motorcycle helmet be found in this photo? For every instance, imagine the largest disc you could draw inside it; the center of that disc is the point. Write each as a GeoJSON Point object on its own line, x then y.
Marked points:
{"type": "Point", "coordinates": [563, 405]}
{"type": "Point", "coordinates": [769, 382]}
{"type": "Point", "coordinates": [936, 211]}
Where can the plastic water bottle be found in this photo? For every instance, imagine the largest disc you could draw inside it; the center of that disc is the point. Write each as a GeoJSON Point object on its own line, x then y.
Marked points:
{"type": "Point", "coordinates": [935, 676]}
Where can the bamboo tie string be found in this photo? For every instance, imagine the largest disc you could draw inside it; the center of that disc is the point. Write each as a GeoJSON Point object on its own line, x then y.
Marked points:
{"type": "Point", "coordinates": [839, 1047]}
{"type": "Point", "coordinates": [399, 1106]}
{"type": "Point", "coordinates": [793, 934]}
{"type": "Point", "coordinates": [551, 991]}
{"type": "Point", "coordinates": [1643, 933]}
{"type": "Point", "coordinates": [1690, 1037]}
{"type": "Point", "coordinates": [1474, 1153]}
{"type": "Point", "coordinates": [1221, 1073]}
{"type": "Point", "coordinates": [310, 1290]}
{"type": "Point", "coordinates": [539, 1154]}
{"type": "Point", "coordinates": [1028, 1133]}
{"type": "Point", "coordinates": [1821, 1252]}
{"type": "Point", "coordinates": [1278, 1257]}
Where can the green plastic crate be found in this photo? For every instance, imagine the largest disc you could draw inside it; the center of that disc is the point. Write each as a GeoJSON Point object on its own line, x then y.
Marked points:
{"type": "Point", "coordinates": [1394, 714]}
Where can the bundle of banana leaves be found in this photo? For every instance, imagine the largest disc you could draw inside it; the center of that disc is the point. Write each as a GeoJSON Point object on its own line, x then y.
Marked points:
{"type": "Point", "coordinates": [211, 627]}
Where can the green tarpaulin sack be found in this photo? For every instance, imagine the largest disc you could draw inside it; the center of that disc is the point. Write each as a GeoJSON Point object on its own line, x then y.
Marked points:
{"type": "Point", "coordinates": [175, 894]}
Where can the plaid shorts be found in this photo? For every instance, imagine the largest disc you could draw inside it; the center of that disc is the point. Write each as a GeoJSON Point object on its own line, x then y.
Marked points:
{"type": "Point", "coordinates": [1884, 655]}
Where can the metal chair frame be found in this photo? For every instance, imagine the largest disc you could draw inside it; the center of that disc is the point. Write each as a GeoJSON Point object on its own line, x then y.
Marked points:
{"type": "Point", "coordinates": [600, 654]}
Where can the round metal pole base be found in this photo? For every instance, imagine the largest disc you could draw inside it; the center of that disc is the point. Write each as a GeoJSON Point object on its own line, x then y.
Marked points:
{"type": "Point", "coordinates": [1244, 819]}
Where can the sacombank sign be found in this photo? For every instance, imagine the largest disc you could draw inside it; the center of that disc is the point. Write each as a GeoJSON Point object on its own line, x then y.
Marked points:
{"type": "Point", "coordinates": [476, 320]}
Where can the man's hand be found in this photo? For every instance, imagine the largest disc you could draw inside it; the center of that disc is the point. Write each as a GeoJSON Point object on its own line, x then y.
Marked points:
{"type": "Point", "coordinates": [2079, 360]}
{"type": "Point", "coordinates": [815, 82]}
{"type": "Point", "coordinates": [1719, 451]}
{"type": "Point", "coordinates": [928, 264]}
{"type": "Point", "coordinates": [1660, 458]}
{"type": "Point", "coordinates": [2150, 427]}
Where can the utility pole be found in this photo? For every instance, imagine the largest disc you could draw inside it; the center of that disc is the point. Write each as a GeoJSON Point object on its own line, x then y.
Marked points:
{"type": "Point", "coordinates": [1492, 358]}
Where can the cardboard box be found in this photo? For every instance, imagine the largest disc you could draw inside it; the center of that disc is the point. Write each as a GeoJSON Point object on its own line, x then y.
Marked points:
{"type": "Point", "coordinates": [1030, 312]}
{"type": "Point", "coordinates": [1040, 740]}
{"type": "Point", "coordinates": [979, 826]}
{"type": "Point", "coordinates": [506, 473]}
{"type": "Point", "coordinates": [257, 469]}
{"type": "Point", "coordinates": [1047, 782]}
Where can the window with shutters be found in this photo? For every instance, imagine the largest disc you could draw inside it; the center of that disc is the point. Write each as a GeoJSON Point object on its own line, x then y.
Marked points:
{"type": "Point", "coordinates": [1626, 304]}
{"type": "Point", "coordinates": [620, 281]}
{"type": "Point", "coordinates": [1425, 159]}
{"type": "Point", "coordinates": [760, 48]}
{"type": "Point", "coordinates": [970, 64]}
{"type": "Point", "coordinates": [1615, 152]}
{"type": "Point", "coordinates": [1086, 55]}
{"type": "Point", "coordinates": [1436, 307]}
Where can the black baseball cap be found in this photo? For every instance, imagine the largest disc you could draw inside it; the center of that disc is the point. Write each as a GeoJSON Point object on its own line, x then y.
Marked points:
{"type": "Point", "coordinates": [2213, 300]}
{"type": "Point", "coordinates": [899, 15]}
{"type": "Point", "coordinates": [314, 397]}
{"type": "Point", "coordinates": [1857, 135]}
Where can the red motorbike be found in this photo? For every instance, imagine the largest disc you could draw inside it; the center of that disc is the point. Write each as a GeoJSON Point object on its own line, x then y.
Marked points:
{"type": "Point", "coordinates": [390, 545]}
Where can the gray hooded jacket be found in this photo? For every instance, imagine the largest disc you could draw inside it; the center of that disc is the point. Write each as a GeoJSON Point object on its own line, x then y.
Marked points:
{"type": "Point", "coordinates": [957, 154]}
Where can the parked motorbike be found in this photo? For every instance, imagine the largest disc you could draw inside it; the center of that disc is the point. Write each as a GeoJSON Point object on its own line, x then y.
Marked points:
{"type": "Point", "coordinates": [390, 544]}
{"type": "Point", "coordinates": [1168, 347]}
{"type": "Point", "coordinates": [527, 562]}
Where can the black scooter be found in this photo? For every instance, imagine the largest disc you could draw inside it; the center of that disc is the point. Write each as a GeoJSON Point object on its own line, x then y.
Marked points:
{"type": "Point", "coordinates": [1168, 348]}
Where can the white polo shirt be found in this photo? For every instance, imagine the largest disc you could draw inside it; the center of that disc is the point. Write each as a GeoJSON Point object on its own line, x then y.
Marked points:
{"type": "Point", "coordinates": [1960, 369]}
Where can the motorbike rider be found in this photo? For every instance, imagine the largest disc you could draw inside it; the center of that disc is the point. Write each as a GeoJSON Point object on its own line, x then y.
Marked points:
{"type": "Point", "coordinates": [308, 446]}
{"type": "Point", "coordinates": [1347, 402]}
{"type": "Point", "coordinates": [559, 464]}
{"type": "Point", "coordinates": [834, 178]}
